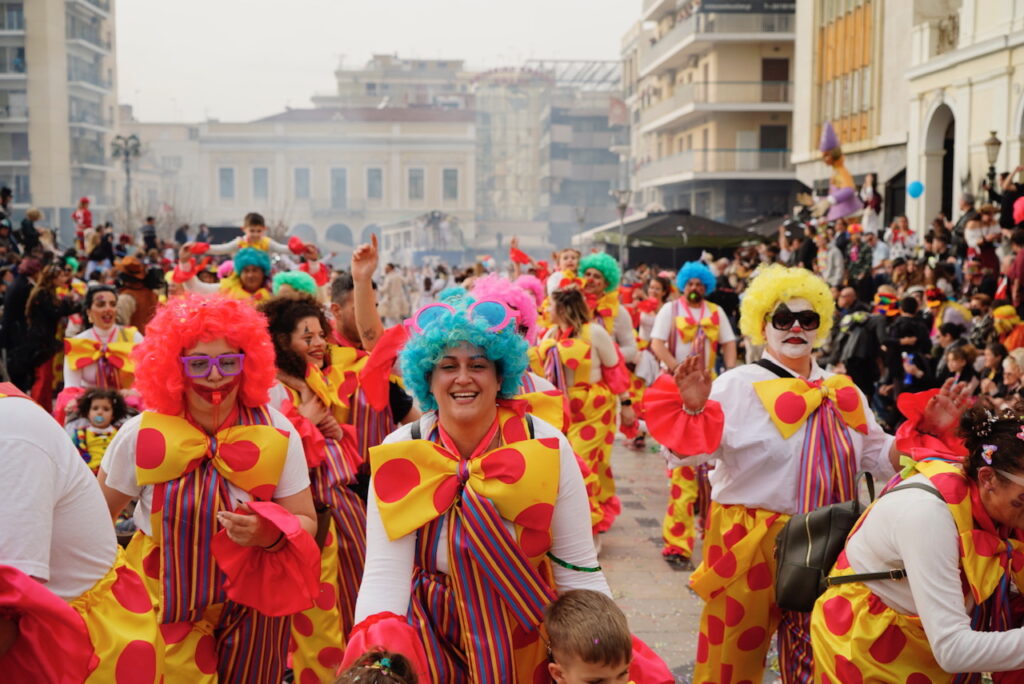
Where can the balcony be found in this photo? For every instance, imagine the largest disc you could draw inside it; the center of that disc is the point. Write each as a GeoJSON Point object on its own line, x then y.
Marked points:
{"type": "Point", "coordinates": [652, 9]}
{"type": "Point", "coordinates": [13, 114]}
{"type": "Point", "coordinates": [91, 121]}
{"type": "Point", "coordinates": [90, 82]}
{"type": "Point", "coordinates": [101, 7]}
{"type": "Point", "coordinates": [702, 30]}
{"type": "Point", "coordinates": [90, 40]}
{"type": "Point", "coordinates": [721, 96]}
{"type": "Point", "coordinates": [712, 164]}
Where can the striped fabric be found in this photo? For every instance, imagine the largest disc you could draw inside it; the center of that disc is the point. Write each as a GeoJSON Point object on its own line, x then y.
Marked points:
{"type": "Point", "coordinates": [828, 464]}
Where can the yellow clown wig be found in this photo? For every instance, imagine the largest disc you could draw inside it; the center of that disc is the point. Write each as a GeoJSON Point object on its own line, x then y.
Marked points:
{"type": "Point", "coordinates": [1005, 319]}
{"type": "Point", "coordinates": [776, 284]}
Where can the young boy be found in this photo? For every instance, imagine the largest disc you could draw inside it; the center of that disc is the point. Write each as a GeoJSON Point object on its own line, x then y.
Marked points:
{"type": "Point", "coordinates": [254, 230]}
{"type": "Point", "coordinates": [588, 639]}
{"type": "Point", "coordinates": [568, 264]}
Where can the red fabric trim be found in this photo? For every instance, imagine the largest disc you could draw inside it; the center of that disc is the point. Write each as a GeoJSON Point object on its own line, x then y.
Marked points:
{"type": "Point", "coordinates": [199, 247]}
{"type": "Point", "coordinates": [673, 427]}
{"type": "Point", "coordinates": [647, 667]}
{"type": "Point", "coordinates": [392, 631]}
{"type": "Point", "coordinates": [373, 378]}
{"type": "Point", "coordinates": [610, 510]}
{"type": "Point", "coordinates": [255, 577]}
{"type": "Point", "coordinates": [43, 620]}
{"type": "Point", "coordinates": [312, 438]}
{"type": "Point", "coordinates": [518, 256]}
{"type": "Point", "coordinates": [617, 376]}
{"type": "Point", "coordinates": [296, 245]}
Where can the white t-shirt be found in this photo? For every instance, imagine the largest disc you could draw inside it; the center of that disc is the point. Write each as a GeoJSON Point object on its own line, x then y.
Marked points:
{"type": "Point", "coordinates": [86, 377]}
{"type": "Point", "coordinates": [387, 578]}
{"type": "Point", "coordinates": [56, 526]}
{"type": "Point", "coordinates": [665, 325]}
{"type": "Point", "coordinates": [119, 464]}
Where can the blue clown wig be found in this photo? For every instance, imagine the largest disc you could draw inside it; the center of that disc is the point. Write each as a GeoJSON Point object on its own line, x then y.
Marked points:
{"type": "Point", "coordinates": [696, 269]}
{"type": "Point", "coordinates": [452, 295]}
{"type": "Point", "coordinates": [604, 263]}
{"type": "Point", "coordinates": [247, 256]}
{"type": "Point", "coordinates": [424, 350]}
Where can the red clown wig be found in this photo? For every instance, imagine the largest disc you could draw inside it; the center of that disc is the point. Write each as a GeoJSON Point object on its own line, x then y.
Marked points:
{"type": "Point", "coordinates": [183, 323]}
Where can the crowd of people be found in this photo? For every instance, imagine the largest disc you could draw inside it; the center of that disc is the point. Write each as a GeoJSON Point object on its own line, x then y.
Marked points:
{"type": "Point", "coordinates": [394, 475]}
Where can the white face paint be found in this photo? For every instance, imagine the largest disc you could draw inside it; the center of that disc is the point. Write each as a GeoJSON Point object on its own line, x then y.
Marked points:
{"type": "Point", "coordinates": [795, 342]}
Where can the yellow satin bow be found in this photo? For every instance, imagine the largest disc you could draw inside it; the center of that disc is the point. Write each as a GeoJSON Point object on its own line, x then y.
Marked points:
{"type": "Point", "coordinates": [251, 457]}
{"type": "Point", "coordinates": [688, 329]}
{"type": "Point", "coordinates": [790, 401]}
{"type": "Point", "coordinates": [417, 481]}
{"type": "Point", "coordinates": [84, 351]}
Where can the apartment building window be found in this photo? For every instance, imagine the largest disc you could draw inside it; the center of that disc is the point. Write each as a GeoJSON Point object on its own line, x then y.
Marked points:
{"type": "Point", "coordinates": [12, 15]}
{"type": "Point", "coordinates": [845, 96]}
{"type": "Point", "coordinates": [339, 188]}
{"type": "Point", "coordinates": [172, 163]}
{"type": "Point", "coordinates": [302, 183]}
{"type": "Point", "coordinates": [260, 183]}
{"type": "Point", "coordinates": [12, 60]}
{"type": "Point", "coordinates": [226, 183]}
{"type": "Point", "coordinates": [374, 184]}
{"type": "Point", "coordinates": [416, 189]}
{"type": "Point", "coordinates": [451, 184]}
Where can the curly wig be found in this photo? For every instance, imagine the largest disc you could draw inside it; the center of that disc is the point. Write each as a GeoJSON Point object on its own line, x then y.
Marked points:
{"type": "Point", "coordinates": [778, 283]}
{"type": "Point", "coordinates": [696, 269]}
{"type": "Point", "coordinates": [226, 269]}
{"type": "Point", "coordinates": [501, 289]}
{"type": "Point", "coordinates": [247, 256]}
{"type": "Point", "coordinates": [604, 263]}
{"type": "Point", "coordinates": [1005, 319]}
{"type": "Point", "coordinates": [533, 285]}
{"type": "Point", "coordinates": [452, 295]}
{"type": "Point", "coordinates": [423, 351]}
{"type": "Point", "coordinates": [297, 280]}
{"type": "Point", "coordinates": [183, 323]}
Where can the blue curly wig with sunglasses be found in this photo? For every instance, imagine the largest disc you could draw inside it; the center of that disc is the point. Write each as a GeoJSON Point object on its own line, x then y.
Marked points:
{"type": "Point", "coordinates": [449, 329]}
{"type": "Point", "coordinates": [696, 269]}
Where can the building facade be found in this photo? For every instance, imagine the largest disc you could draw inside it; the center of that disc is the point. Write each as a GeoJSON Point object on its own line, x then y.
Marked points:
{"type": "Point", "coordinates": [57, 104]}
{"type": "Point", "coordinates": [712, 101]}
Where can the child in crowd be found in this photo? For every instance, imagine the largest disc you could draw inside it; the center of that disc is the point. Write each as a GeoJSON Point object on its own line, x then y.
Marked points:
{"type": "Point", "coordinates": [104, 409]}
{"type": "Point", "coordinates": [254, 235]}
{"type": "Point", "coordinates": [378, 666]}
{"type": "Point", "coordinates": [588, 639]}
{"type": "Point", "coordinates": [959, 364]}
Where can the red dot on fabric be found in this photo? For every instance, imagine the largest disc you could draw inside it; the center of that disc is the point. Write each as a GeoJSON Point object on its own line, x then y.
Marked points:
{"type": "Point", "coordinates": [599, 401]}
{"type": "Point", "coordinates": [952, 487]}
{"type": "Point", "coordinates": [572, 364]}
{"type": "Point", "coordinates": [302, 624]}
{"type": "Point", "coordinates": [918, 678]}
{"type": "Point", "coordinates": [736, 533]}
{"type": "Point", "coordinates": [588, 432]}
{"type": "Point", "coordinates": [394, 479]}
{"type": "Point", "coordinates": [151, 564]}
{"type": "Point", "coordinates": [790, 407]}
{"type": "Point", "coordinates": [677, 530]}
{"type": "Point", "coordinates": [83, 362]}
{"type": "Point", "coordinates": [751, 638]}
{"type": "Point", "coordinates": [702, 648]}
{"type": "Point", "coordinates": [888, 645]}
{"type": "Point", "coordinates": [609, 438]}
{"type": "Point", "coordinates": [329, 539]}
{"type": "Point", "coordinates": [263, 492]}
{"type": "Point", "coordinates": [507, 465]}
{"type": "Point", "coordinates": [330, 656]}
{"type": "Point", "coordinates": [606, 417]}
{"type": "Point", "coordinates": [688, 473]}
{"type": "Point", "coordinates": [716, 630]}
{"type": "Point", "coordinates": [241, 455]}
{"type": "Point", "coordinates": [676, 491]}
{"type": "Point", "coordinates": [534, 542]}
{"type": "Point", "coordinates": [173, 632]}
{"type": "Point", "coordinates": [847, 672]}
{"type": "Point", "coordinates": [566, 343]}
{"type": "Point", "coordinates": [576, 405]}
{"type": "Point", "coordinates": [206, 654]}
{"type": "Point", "coordinates": [985, 543]}
{"type": "Point", "coordinates": [308, 676]}
{"type": "Point", "coordinates": [137, 663]}
{"type": "Point", "coordinates": [542, 675]}
{"type": "Point", "coordinates": [150, 448]}
{"type": "Point", "coordinates": [130, 592]}
{"type": "Point", "coordinates": [327, 597]}
{"type": "Point", "coordinates": [445, 493]}
{"type": "Point", "coordinates": [536, 517]}
{"type": "Point", "coordinates": [734, 612]}
{"type": "Point", "coordinates": [550, 443]}
{"type": "Point", "coordinates": [841, 562]}
{"type": "Point", "coordinates": [876, 605]}
{"type": "Point", "coordinates": [847, 399]}
{"type": "Point", "coordinates": [838, 615]}
{"type": "Point", "coordinates": [726, 565]}
{"type": "Point", "coordinates": [714, 552]}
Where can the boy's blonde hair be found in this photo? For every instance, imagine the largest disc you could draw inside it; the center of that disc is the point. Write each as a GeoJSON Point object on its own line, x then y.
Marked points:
{"type": "Point", "coordinates": [589, 625]}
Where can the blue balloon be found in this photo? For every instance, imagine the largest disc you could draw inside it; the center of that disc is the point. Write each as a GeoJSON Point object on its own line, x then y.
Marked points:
{"type": "Point", "coordinates": [915, 189]}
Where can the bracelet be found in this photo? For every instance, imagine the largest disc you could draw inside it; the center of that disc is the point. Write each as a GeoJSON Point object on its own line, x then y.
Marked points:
{"type": "Point", "coordinates": [693, 413]}
{"type": "Point", "coordinates": [276, 542]}
{"type": "Point", "coordinates": [626, 402]}
{"type": "Point", "coordinates": [570, 566]}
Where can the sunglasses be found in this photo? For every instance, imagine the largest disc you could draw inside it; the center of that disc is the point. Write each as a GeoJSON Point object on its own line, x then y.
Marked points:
{"type": "Point", "coordinates": [201, 366]}
{"type": "Point", "coordinates": [496, 315]}
{"type": "Point", "coordinates": [783, 319]}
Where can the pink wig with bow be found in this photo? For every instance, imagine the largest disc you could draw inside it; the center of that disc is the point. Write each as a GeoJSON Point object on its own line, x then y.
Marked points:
{"type": "Point", "coordinates": [533, 285]}
{"type": "Point", "coordinates": [501, 289]}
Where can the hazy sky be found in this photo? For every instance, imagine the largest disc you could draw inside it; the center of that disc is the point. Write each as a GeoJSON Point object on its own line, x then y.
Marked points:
{"type": "Point", "coordinates": [238, 60]}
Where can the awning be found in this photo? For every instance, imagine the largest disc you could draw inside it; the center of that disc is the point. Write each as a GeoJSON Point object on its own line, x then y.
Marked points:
{"type": "Point", "coordinates": [672, 229]}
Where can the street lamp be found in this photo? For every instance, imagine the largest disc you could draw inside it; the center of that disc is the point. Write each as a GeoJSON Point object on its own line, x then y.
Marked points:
{"type": "Point", "coordinates": [992, 146]}
{"type": "Point", "coordinates": [622, 198]}
{"type": "Point", "coordinates": [125, 148]}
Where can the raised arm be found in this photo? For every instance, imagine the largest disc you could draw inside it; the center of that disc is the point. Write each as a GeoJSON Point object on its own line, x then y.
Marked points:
{"type": "Point", "coordinates": [364, 264]}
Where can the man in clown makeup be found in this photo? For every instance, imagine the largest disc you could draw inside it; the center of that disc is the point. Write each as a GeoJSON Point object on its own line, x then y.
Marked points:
{"type": "Point", "coordinates": [771, 428]}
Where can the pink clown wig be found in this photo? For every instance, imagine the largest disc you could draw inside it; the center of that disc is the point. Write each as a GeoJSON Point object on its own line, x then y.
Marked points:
{"type": "Point", "coordinates": [183, 323]}
{"type": "Point", "coordinates": [533, 285]}
{"type": "Point", "coordinates": [225, 269]}
{"type": "Point", "coordinates": [499, 288]}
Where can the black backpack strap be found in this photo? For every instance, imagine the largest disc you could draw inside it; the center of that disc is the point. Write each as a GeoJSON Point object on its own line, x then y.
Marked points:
{"type": "Point", "coordinates": [416, 433]}
{"type": "Point", "coordinates": [529, 426]}
{"type": "Point", "coordinates": [897, 574]}
{"type": "Point", "coordinates": [775, 368]}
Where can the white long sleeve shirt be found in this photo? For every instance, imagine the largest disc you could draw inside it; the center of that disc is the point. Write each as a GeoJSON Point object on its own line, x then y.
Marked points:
{"type": "Point", "coordinates": [665, 327]}
{"type": "Point", "coordinates": [913, 529]}
{"type": "Point", "coordinates": [754, 465]}
{"type": "Point", "coordinates": [387, 577]}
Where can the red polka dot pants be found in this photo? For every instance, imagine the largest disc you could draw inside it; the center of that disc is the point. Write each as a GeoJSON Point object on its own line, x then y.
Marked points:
{"type": "Point", "coordinates": [736, 581]}
{"type": "Point", "coordinates": [123, 627]}
{"type": "Point", "coordinates": [678, 528]}
{"type": "Point", "coordinates": [317, 638]}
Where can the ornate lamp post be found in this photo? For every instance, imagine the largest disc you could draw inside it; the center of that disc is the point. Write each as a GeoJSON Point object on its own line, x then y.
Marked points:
{"type": "Point", "coordinates": [992, 146]}
{"type": "Point", "coordinates": [125, 148]}
{"type": "Point", "coordinates": [622, 198]}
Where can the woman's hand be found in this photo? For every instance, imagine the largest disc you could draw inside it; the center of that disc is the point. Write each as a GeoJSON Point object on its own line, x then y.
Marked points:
{"type": "Point", "coordinates": [330, 428]}
{"type": "Point", "coordinates": [313, 410]}
{"type": "Point", "coordinates": [694, 383]}
{"type": "Point", "coordinates": [943, 411]}
{"type": "Point", "coordinates": [246, 529]}
{"type": "Point", "coordinates": [628, 415]}
{"type": "Point", "coordinates": [365, 260]}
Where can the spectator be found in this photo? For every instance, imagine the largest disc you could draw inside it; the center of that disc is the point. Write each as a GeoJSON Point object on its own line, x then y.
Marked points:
{"type": "Point", "coordinates": [181, 235]}
{"type": "Point", "coordinates": [967, 214]}
{"type": "Point", "coordinates": [148, 231]}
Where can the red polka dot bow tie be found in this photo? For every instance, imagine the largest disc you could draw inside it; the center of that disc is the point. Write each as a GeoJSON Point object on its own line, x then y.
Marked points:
{"type": "Point", "coordinates": [82, 352]}
{"type": "Point", "coordinates": [791, 401]}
